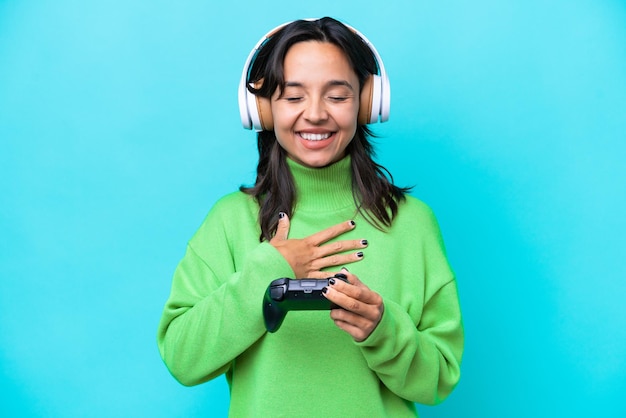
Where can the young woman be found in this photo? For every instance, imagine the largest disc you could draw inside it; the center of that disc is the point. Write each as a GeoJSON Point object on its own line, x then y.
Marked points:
{"type": "Point", "coordinates": [320, 206]}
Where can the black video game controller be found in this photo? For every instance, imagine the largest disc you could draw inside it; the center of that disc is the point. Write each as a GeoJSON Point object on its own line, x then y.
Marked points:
{"type": "Point", "coordinates": [284, 295]}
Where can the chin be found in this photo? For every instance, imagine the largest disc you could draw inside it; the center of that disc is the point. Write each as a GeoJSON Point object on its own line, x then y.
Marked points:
{"type": "Point", "coordinates": [319, 163]}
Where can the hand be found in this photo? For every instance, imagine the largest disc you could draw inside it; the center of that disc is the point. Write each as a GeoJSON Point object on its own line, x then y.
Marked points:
{"type": "Point", "coordinates": [307, 256]}
{"type": "Point", "coordinates": [362, 308]}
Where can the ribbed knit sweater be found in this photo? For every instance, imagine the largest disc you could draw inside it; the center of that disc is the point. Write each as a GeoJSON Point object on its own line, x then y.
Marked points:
{"type": "Point", "coordinates": [213, 324]}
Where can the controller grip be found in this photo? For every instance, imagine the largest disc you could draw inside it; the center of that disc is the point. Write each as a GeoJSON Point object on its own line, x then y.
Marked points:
{"type": "Point", "coordinates": [273, 316]}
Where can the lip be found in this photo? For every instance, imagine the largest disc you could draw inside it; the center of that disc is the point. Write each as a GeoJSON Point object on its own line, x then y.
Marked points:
{"type": "Point", "coordinates": [314, 144]}
{"type": "Point", "coordinates": [315, 135]}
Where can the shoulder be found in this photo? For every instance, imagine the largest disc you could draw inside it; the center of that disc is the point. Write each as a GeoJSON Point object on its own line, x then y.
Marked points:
{"type": "Point", "coordinates": [417, 216]}
{"type": "Point", "coordinates": [413, 207]}
{"type": "Point", "coordinates": [233, 204]}
{"type": "Point", "coordinates": [230, 212]}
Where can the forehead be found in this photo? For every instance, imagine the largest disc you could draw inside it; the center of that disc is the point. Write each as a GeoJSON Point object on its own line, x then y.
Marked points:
{"type": "Point", "coordinates": [314, 59]}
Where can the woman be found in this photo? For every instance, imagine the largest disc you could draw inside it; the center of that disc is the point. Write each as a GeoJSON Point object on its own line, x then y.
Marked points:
{"type": "Point", "coordinates": [320, 206]}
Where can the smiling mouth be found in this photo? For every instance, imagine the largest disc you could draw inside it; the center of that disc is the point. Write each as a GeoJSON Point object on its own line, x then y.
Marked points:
{"type": "Point", "coordinates": [315, 137]}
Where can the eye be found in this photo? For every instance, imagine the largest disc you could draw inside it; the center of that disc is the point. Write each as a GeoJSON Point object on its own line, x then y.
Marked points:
{"type": "Point", "coordinates": [293, 99]}
{"type": "Point", "coordinates": [338, 94]}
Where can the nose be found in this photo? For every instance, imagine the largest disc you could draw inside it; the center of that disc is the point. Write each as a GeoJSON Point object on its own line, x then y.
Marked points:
{"type": "Point", "coordinates": [315, 110]}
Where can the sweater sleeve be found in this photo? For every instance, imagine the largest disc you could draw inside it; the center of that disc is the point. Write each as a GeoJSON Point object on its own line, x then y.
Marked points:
{"type": "Point", "coordinates": [213, 313]}
{"type": "Point", "coordinates": [419, 358]}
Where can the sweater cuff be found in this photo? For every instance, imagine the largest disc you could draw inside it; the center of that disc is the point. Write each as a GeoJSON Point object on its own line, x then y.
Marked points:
{"type": "Point", "coordinates": [383, 331]}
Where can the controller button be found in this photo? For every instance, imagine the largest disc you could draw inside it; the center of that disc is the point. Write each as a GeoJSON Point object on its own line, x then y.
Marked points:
{"type": "Point", "coordinates": [277, 292]}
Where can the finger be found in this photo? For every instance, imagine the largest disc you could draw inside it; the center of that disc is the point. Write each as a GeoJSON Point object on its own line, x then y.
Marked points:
{"type": "Point", "coordinates": [355, 306]}
{"type": "Point", "coordinates": [358, 327]}
{"type": "Point", "coordinates": [355, 294]}
{"type": "Point", "coordinates": [336, 260]}
{"type": "Point", "coordinates": [282, 230]}
{"type": "Point", "coordinates": [341, 246]}
{"type": "Point", "coordinates": [347, 317]}
{"type": "Point", "coordinates": [329, 233]}
{"type": "Point", "coordinates": [352, 278]}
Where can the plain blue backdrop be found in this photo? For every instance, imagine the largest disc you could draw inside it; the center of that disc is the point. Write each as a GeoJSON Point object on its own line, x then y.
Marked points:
{"type": "Point", "coordinates": [119, 129]}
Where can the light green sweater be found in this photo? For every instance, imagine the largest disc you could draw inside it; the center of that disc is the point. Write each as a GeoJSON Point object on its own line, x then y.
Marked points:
{"type": "Point", "coordinates": [213, 324]}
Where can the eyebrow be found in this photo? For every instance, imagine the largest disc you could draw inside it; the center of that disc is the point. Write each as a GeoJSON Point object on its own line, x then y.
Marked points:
{"type": "Point", "coordinates": [331, 83]}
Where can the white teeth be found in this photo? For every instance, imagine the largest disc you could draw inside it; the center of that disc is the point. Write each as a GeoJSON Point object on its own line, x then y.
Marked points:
{"type": "Point", "coordinates": [314, 137]}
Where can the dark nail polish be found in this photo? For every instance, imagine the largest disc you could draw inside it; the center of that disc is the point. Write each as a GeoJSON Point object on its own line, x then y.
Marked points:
{"type": "Point", "coordinates": [341, 276]}
{"type": "Point", "coordinates": [281, 215]}
{"type": "Point", "coordinates": [324, 289]}
{"type": "Point", "coordinates": [331, 281]}
{"type": "Point", "coordinates": [352, 223]}
{"type": "Point", "coordinates": [343, 268]}
{"type": "Point", "coordinates": [363, 242]}
{"type": "Point", "coordinates": [359, 254]}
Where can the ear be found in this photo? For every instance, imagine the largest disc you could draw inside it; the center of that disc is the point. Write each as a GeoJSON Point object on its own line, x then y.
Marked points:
{"type": "Point", "coordinates": [365, 106]}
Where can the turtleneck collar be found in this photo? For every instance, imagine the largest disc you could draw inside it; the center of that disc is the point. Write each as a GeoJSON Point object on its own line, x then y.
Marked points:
{"type": "Point", "coordinates": [323, 189]}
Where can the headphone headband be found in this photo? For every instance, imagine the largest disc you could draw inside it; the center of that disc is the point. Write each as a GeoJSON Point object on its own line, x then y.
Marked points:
{"type": "Point", "coordinates": [376, 97]}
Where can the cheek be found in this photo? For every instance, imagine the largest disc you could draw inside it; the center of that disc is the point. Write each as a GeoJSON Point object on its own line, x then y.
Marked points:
{"type": "Point", "coordinates": [350, 117]}
{"type": "Point", "coordinates": [283, 119]}
{"type": "Point", "coordinates": [349, 123]}
{"type": "Point", "coordinates": [280, 137]}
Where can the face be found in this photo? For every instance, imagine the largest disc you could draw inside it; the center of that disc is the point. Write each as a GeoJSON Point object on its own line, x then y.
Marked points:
{"type": "Point", "coordinates": [315, 117]}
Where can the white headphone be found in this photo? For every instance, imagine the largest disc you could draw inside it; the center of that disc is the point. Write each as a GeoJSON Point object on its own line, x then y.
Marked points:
{"type": "Point", "coordinates": [375, 95]}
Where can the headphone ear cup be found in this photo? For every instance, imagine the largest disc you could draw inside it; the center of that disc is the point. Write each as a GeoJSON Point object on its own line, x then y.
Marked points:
{"type": "Point", "coordinates": [365, 105]}
{"type": "Point", "coordinates": [253, 112]}
{"type": "Point", "coordinates": [259, 111]}
{"type": "Point", "coordinates": [370, 105]}
{"type": "Point", "coordinates": [265, 114]}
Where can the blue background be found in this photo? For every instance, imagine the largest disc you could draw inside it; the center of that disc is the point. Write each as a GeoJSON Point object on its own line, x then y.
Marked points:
{"type": "Point", "coordinates": [119, 129]}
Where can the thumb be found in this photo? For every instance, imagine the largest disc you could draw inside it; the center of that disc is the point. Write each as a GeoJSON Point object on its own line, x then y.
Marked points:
{"type": "Point", "coordinates": [282, 230]}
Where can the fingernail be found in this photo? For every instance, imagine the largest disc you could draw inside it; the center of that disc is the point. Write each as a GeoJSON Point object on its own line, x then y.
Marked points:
{"type": "Point", "coordinates": [359, 254]}
{"type": "Point", "coordinates": [341, 276]}
{"type": "Point", "coordinates": [352, 223]}
{"type": "Point", "coordinates": [324, 290]}
{"type": "Point", "coordinates": [331, 281]}
{"type": "Point", "coordinates": [363, 242]}
{"type": "Point", "coordinates": [344, 269]}
{"type": "Point", "coordinates": [281, 215]}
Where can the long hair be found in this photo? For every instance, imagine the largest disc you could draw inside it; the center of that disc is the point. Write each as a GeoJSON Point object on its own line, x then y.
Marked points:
{"type": "Point", "coordinates": [375, 195]}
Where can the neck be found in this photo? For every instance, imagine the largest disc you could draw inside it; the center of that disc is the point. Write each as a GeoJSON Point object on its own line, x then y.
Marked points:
{"type": "Point", "coordinates": [323, 189]}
